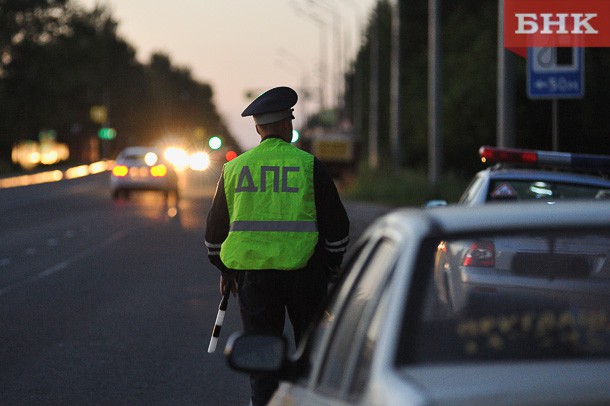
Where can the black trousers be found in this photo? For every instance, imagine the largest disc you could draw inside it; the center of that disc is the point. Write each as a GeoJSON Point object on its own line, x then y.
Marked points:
{"type": "Point", "coordinates": [264, 298]}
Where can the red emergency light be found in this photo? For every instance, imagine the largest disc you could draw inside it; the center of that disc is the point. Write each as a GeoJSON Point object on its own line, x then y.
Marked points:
{"type": "Point", "coordinates": [549, 158]}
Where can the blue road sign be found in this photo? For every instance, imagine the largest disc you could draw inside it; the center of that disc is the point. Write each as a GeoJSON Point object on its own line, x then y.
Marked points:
{"type": "Point", "coordinates": [555, 73]}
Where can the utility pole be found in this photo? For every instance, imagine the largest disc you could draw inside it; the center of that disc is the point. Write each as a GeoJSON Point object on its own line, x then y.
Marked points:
{"type": "Point", "coordinates": [505, 136]}
{"type": "Point", "coordinates": [395, 85]}
{"type": "Point", "coordinates": [435, 138]}
{"type": "Point", "coordinates": [374, 101]}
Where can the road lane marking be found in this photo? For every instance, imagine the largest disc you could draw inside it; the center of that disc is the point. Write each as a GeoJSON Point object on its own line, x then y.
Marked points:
{"type": "Point", "coordinates": [119, 235]}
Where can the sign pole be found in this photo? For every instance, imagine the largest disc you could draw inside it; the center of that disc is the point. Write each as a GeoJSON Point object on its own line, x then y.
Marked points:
{"type": "Point", "coordinates": [555, 105]}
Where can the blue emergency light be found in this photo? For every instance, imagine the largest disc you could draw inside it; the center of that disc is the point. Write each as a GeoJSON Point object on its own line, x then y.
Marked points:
{"type": "Point", "coordinates": [533, 157]}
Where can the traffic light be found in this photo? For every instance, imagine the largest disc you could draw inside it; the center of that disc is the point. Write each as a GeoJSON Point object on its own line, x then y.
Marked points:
{"type": "Point", "coordinates": [215, 142]}
{"type": "Point", "coordinates": [106, 133]}
{"type": "Point", "coordinates": [230, 155]}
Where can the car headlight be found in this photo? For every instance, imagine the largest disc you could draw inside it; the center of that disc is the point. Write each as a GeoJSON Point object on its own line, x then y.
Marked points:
{"type": "Point", "coordinates": [151, 158]}
{"type": "Point", "coordinates": [199, 161]}
{"type": "Point", "coordinates": [177, 157]}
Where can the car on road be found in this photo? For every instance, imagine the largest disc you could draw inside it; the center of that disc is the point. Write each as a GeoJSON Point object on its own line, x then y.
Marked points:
{"type": "Point", "coordinates": [385, 338]}
{"type": "Point", "coordinates": [140, 168]}
{"type": "Point", "coordinates": [465, 268]}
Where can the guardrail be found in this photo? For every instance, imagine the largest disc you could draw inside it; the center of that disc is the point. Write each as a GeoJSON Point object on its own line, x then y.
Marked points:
{"type": "Point", "coordinates": [56, 175]}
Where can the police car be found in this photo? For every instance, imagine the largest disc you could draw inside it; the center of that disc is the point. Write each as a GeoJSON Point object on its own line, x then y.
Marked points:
{"type": "Point", "coordinates": [520, 175]}
{"type": "Point", "coordinates": [384, 339]}
{"type": "Point", "coordinates": [511, 267]}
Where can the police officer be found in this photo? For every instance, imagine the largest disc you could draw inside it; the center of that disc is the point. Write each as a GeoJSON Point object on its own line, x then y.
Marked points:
{"type": "Point", "coordinates": [277, 228]}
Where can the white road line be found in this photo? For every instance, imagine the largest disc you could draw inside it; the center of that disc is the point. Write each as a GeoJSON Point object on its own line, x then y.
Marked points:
{"type": "Point", "coordinates": [119, 235]}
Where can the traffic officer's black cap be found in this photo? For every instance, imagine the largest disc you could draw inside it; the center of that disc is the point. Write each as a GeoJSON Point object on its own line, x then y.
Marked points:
{"type": "Point", "coordinates": [273, 105]}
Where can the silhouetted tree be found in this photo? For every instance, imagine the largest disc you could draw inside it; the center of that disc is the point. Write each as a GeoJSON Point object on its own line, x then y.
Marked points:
{"type": "Point", "coordinates": [61, 60]}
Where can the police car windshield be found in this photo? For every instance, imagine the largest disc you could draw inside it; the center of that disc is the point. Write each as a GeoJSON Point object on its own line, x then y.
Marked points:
{"type": "Point", "coordinates": [500, 190]}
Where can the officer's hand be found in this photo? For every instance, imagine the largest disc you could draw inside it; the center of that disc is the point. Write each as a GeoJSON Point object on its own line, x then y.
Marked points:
{"type": "Point", "coordinates": [223, 285]}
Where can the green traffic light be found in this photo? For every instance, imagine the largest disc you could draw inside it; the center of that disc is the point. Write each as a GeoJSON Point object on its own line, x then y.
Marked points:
{"type": "Point", "coordinates": [215, 142]}
{"type": "Point", "coordinates": [106, 133]}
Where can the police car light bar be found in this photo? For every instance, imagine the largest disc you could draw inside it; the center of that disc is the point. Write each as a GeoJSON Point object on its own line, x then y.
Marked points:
{"type": "Point", "coordinates": [531, 157]}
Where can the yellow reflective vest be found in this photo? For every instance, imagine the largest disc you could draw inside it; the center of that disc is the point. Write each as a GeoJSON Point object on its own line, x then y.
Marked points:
{"type": "Point", "coordinates": [272, 210]}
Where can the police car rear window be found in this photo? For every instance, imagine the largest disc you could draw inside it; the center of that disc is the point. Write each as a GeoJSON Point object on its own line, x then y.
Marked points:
{"type": "Point", "coordinates": [500, 190]}
{"type": "Point", "coordinates": [135, 157]}
{"type": "Point", "coordinates": [506, 297]}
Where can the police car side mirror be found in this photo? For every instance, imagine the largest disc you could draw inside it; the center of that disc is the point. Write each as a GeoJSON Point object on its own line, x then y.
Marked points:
{"type": "Point", "coordinates": [256, 353]}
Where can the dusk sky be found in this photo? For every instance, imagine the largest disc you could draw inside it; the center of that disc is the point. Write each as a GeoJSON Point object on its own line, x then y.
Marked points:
{"type": "Point", "coordinates": [244, 45]}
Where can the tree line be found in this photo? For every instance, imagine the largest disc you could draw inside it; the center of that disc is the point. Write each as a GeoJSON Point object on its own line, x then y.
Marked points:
{"type": "Point", "coordinates": [58, 60]}
{"type": "Point", "coordinates": [469, 82]}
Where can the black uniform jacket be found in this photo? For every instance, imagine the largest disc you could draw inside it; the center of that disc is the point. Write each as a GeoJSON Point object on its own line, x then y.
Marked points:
{"type": "Point", "coordinates": [333, 223]}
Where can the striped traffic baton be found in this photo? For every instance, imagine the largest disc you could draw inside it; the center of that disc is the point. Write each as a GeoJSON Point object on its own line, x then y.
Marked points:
{"type": "Point", "coordinates": [220, 317]}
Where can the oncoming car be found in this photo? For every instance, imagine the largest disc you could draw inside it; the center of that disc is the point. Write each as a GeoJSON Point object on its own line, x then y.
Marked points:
{"type": "Point", "coordinates": [142, 168]}
{"type": "Point", "coordinates": [384, 338]}
{"type": "Point", "coordinates": [466, 269]}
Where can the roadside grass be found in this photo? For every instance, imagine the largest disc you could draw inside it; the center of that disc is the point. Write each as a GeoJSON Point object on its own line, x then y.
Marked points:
{"type": "Point", "coordinates": [401, 187]}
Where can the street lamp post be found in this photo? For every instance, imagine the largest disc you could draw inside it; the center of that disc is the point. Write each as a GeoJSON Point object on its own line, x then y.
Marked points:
{"type": "Point", "coordinates": [323, 48]}
{"type": "Point", "coordinates": [353, 49]}
{"type": "Point", "coordinates": [294, 62]}
{"type": "Point", "coordinates": [338, 50]}
{"type": "Point", "coordinates": [358, 23]}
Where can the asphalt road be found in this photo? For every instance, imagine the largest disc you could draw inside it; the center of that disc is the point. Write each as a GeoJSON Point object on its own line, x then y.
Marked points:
{"type": "Point", "coordinates": [105, 302]}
